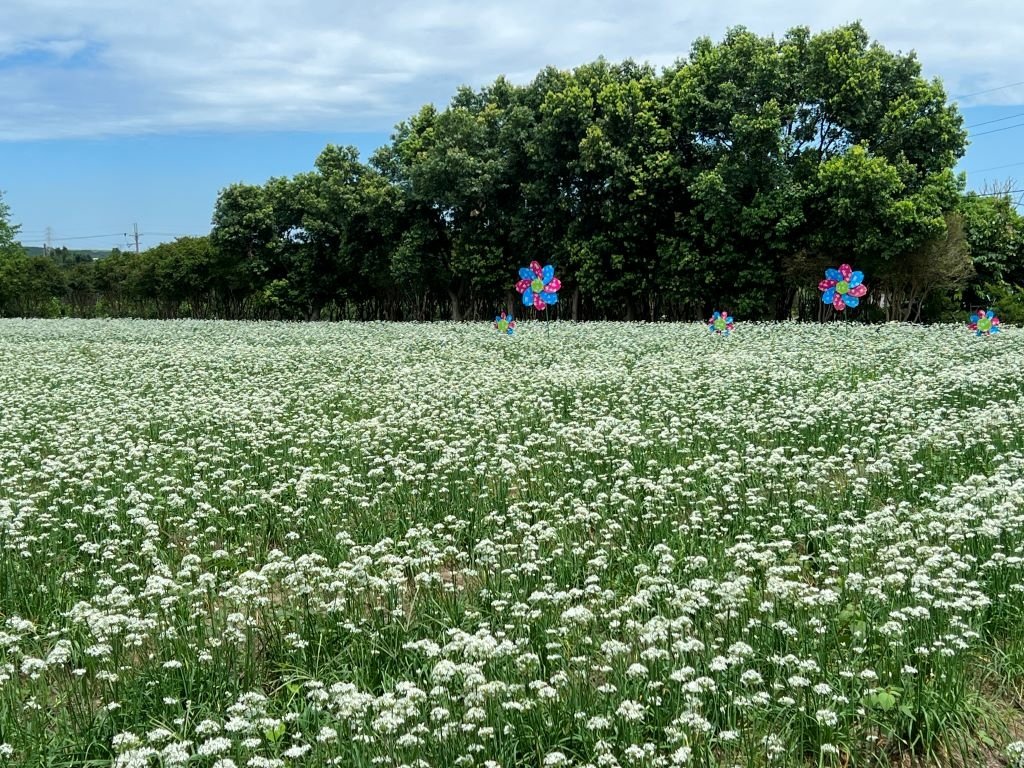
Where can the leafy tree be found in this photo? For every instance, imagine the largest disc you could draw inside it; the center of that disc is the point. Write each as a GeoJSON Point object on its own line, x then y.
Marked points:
{"type": "Point", "coordinates": [181, 275]}
{"type": "Point", "coordinates": [814, 149]}
{"type": "Point", "coordinates": [8, 231]}
{"type": "Point", "coordinates": [733, 102]}
{"type": "Point", "coordinates": [995, 232]}
{"type": "Point", "coordinates": [29, 286]}
{"type": "Point", "coordinates": [81, 295]}
{"type": "Point", "coordinates": [112, 279]}
{"type": "Point", "coordinates": [627, 169]}
{"type": "Point", "coordinates": [456, 170]}
{"type": "Point", "coordinates": [941, 265]}
{"type": "Point", "coordinates": [875, 144]}
{"type": "Point", "coordinates": [244, 235]}
{"type": "Point", "coordinates": [339, 229]}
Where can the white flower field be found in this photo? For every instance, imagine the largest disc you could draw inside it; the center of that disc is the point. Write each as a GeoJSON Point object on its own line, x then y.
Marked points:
{"type": "Point", "coordinates": [228, 544]}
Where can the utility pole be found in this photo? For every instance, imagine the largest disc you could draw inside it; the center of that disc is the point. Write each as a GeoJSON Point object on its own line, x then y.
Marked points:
{"type": "Point", "coordinates": [49, 241]}
{"type": "Point", "coordinates": [136, 226]}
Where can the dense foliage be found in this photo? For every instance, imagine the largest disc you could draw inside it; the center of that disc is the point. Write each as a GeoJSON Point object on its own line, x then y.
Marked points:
{"type": "Point", "coordinates": [732, 178]}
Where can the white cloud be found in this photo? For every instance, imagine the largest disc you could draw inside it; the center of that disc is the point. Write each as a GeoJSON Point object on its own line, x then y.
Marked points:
{"type": "Point", "coordinates": [96, 67]}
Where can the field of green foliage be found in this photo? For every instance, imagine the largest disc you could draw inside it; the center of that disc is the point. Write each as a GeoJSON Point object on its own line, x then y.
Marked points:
{"type": "Point", "coordinates": [600, 545]}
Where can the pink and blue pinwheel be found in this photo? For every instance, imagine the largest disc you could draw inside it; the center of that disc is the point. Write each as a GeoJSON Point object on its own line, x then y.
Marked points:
{"type": "Point", "coordinates": [721, 323]}
{"type": "Point", "coordinates": [984, 323]}
{"type": "Point", "coordinates": [842, 287]}
{"type": "Point", "coordinates": [505, 323]}
{"type": "Point", "coordinates": [538, 285]}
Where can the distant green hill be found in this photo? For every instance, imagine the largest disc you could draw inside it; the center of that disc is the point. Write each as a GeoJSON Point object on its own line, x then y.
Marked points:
{"type": "Point", "coordinates": [35, 250]}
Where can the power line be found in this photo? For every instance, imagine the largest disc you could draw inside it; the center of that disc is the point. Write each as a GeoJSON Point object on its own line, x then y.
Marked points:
{"type": "Point", "coordinates": [994, 168]}
{"type": "Point", "coordinates": [61, 238]}
{"type": "Point", "coordinates": [988, 90]}
{"type": "Point", "coordinates": [89, 237]}
{"type": "Point", "coordinates": [997, 120]}
{"type": "Point", "coordinates": [997, 194]}
{"type": "Point", "coordinates": [1005, 193]}
{"type": "Point", "coordinates": [997, 130]}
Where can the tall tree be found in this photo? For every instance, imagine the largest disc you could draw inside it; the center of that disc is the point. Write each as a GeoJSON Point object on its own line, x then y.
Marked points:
{"type": "Point", "coordinates": [29, 285]}
{"type": "Point", "coordinates": [941, 265]}
{"type": "Point", "coordinates": [338, 228]}
{"type": "Point", "coordinates": [244, 235]}
{"type": "Point", "coordinates": [458, 174]}
{"type": "Point", "coordinates": [995, 233]}
{"type": "Point", "coordinates": [8, 230]}
{"type": "Point", "coordinates": [731, 101]}
{"type": "Point", "coordinates": [809, 150]}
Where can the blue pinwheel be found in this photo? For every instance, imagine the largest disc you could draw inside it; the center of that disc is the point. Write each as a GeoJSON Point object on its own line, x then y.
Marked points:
{"type": "Point", "coordinates": [505, 324]}
{"type": "Point", "coordinates": [538, 285]}
{"type": "Point", "coordinates": [984, 323]}
{"type": "Point", "coordinates": [721, 323]}
{"type": "Point", "coordinates": [842, 287]}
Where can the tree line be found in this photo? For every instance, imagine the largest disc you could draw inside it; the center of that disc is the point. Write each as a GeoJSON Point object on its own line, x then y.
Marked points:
{"type": "Point", "coordinates": [730, 179]}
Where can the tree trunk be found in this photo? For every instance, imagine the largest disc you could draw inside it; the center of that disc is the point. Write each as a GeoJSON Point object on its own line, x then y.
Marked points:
{"type": "Point", "coordinates": [456, 310]}
{"type": "Point", "coordinates": [784, 307]}
{"type": "Point", "coordinates": [576, 305]}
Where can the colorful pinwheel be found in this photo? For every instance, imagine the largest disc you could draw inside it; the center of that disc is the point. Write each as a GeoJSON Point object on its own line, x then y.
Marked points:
{"type": "Point", "coordinates": [984, 323]}
{"type": "Point", "coordinates": [538, 285]}
{"type": "Point", "coordinates": [842, 287]}
{"type": "Point", "coordinates": [505, 323]}
{"type": "Point", "coordinates": [721, 323]}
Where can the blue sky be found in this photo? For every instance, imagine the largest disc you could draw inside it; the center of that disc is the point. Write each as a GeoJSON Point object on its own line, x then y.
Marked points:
{"type": "Point", "coordinates": [116, 112]}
